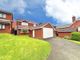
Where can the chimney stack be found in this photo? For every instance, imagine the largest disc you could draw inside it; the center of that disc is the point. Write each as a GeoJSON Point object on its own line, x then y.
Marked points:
{"type": "Point", "coordinates": [73, 19]}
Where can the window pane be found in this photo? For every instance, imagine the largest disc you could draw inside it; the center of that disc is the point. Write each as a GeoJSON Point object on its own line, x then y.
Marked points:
{"type": "Point", "coordinates": [4, 15]}
{"type": "Point", "coordinates": [0, 14]}
{"type": "Point", "coordinates": [24, 23]}
{"type": "Point", "coordinates": [0, 26]}
{"type": "Point", "coordinates": [3, 26]}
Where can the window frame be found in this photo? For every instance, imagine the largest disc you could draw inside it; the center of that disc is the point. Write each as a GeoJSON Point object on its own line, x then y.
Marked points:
{"type": "Point", "coordinates": [2, 15]}
{"type": "Point", "coordinates": [2, 26]}
{"type": "Point", "coordinates": [24, 31]}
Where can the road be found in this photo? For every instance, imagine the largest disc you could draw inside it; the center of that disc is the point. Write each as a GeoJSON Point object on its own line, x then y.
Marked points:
{"type": "Point", "coordinates": [63, 50]}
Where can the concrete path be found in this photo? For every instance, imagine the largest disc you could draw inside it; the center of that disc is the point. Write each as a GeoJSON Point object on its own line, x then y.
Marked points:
{"type": "Point", "coordinates": [64, 50]}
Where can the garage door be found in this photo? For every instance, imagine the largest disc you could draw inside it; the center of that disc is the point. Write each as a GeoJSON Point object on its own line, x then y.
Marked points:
{"type": "Point", "coordinates": [47, 32]}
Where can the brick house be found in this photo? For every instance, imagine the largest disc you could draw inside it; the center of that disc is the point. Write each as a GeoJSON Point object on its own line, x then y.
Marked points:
{"type": "Point", "coordinates": [23, 26]}
{"type": "Point", "coordinates": [5, 21]}
{"type": "Point", "coordinates": [66, 31]}
{"type": "Point", "coordinates": [43, 31]}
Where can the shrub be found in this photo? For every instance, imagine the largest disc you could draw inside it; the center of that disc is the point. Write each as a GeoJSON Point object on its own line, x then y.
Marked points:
{"type": "Point", "coordinates": [22, 48]}
{"type": "Point", "coordinates": [75, 36]}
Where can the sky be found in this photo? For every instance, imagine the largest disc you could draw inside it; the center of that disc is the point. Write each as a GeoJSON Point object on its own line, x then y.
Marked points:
{"type": "Point", "coordinates": [57, 12]}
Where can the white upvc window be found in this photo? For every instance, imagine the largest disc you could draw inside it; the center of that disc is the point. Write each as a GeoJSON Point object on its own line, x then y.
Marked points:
{"type": "Point", "coordinates": [24, 23]}
{"type": "Point", "coordinates": [78, 29]}
{"type": "Point", "coordinates": [2, 15]}
{"type": "Point", "coordinates": [24, 31]}
{"type": "Point", "coordinates": [2, 26]}
{"type": "Point", "coordinates": [34, 25]}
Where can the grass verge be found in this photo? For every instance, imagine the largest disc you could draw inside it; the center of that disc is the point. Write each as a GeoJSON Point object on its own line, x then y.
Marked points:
{"type": "Point", "coordinates": [77, 42]}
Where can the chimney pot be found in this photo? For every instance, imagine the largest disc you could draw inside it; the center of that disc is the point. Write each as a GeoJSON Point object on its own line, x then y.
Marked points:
{"type": "Point", "coordinates": [73, 19]}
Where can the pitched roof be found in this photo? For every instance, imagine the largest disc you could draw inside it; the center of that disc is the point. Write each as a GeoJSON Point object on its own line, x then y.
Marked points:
{"type": "Point", "coordinates": [28, 27]}
{"type": "Point", "coordinates": [5, 21]}
{"type": "Point", "coordinates": [3, 11]}
{"type": "Point", "coordinates": [21, 20]}
{"type": "Point", "coordinates": [42, 25]}
{"type": "Point", "coordinates": [63, 26]}
{"type": "Point", "coordinates": [23, 27]}
{"type": "Point", "coordinates": [66, 30]}
{"type": "Point", "coordinates": [77, 21]}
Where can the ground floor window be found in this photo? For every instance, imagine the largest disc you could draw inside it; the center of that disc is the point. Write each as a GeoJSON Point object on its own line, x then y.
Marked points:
{"type": "Point", "coordinates": [24, 31]}
{"type": "Point", "coordinates": [2, 26]}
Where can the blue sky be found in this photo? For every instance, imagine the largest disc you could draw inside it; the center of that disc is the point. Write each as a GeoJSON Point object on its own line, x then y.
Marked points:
{"type": "Point", "coordinates": [58, 12]}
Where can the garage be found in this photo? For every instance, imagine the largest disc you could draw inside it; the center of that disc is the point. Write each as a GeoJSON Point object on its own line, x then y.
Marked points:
{"type": "Point", "coordinates": [47, 32]}
{"type": "Point", "coordinates": [43, 31]}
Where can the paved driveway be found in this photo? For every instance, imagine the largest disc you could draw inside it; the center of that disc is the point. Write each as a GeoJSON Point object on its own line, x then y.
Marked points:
{"type": "Point", "coordinates": [64, 50]}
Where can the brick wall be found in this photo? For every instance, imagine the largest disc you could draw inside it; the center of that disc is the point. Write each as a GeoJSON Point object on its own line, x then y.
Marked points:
{"type": "Point", "coordinates": [63, 34]}
{"type": "Point", "coordinates": [7, 29]}
{"type": "Point", "coordinates": [30, 24]}
{"type": "Point", "coordinates": [9, 16]}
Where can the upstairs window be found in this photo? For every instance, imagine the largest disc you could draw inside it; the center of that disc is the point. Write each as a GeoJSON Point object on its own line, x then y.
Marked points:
{"type": "Point", "coordinates": [24, 31]}
{"type": "Point", "coordinates": [2, 26]}
{"type": "Point", "coordinates": [34, 25]}
{"type": "Point", "coordinates": [24, 23]}
{"type": "Point", "coordinates": [2, 15]}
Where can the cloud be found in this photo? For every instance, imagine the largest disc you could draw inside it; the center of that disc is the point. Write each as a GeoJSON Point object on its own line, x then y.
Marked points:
{"type": "Point", "coordinates": [63, 10]}
{"type": "Point", "coordinates": [34, 3]}
{"type": "Point", "coordinates": [18, 5]}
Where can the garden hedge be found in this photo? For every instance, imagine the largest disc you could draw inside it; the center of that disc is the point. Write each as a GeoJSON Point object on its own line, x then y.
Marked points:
{"type": "Point", "coordinates": [75, 36]}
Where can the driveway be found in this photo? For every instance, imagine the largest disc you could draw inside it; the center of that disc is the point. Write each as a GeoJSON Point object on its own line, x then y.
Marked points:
{"type": "Point", "coordinates": [64, 50]}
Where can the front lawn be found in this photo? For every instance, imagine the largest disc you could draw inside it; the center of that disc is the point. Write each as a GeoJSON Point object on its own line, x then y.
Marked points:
{"type": "Point", "coordinates": [23, 48]}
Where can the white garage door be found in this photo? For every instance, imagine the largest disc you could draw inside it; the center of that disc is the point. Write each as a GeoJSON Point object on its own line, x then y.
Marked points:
{"type": "Point", "coordinates": [47, 32]}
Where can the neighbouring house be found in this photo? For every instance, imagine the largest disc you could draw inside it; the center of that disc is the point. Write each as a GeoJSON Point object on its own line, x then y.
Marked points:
{"type": "Point", "coordinates": [33, 29]}
{"type": "Point", "coordinates": [42, 31]}
{"type": "Point", "coordinates": [21, 27]}
{"type": "Point", "coordinates": [67, 30]}
{"type": "Point", "coordinates": [5, 21]}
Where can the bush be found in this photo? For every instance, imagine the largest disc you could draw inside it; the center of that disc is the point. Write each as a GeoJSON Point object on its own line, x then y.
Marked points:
{"type": "Point", "coordinates": [22, 48]}
{"type": "Point", "coordinates": [75, 36]}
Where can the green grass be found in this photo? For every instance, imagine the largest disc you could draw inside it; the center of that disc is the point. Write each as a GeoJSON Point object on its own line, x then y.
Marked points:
{"type": "Point", "coordinates": [77, 42]}
{"type": "Point", "coordinates": [23, 48]}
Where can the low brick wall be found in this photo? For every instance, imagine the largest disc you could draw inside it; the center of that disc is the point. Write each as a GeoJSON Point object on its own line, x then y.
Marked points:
{"type": "Point", "coordinates": [63, 34]}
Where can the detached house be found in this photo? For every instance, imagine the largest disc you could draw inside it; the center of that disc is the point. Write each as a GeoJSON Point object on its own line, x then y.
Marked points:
{"type": "Point", "coordinates": [67, 30]}
{"type": "Point", "coordinates": [22, 26]}
{"type": "Point", "coordinates": [5, 21]}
